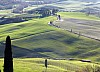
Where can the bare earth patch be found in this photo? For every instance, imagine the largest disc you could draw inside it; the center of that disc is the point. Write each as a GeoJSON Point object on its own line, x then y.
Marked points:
{"type": "Point", "coordinates": [87, 28]}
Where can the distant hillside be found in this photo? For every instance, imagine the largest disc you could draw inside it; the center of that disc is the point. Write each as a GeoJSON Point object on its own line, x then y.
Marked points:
{"type": "Point", "coordinates": [90, 0]}
{"type": "Point", "coordinates": [7, 4]}
{"type": "Point", "coordinates": [65, 0]}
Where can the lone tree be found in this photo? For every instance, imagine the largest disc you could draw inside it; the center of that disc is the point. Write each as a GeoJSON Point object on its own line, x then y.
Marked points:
{"type": "Point", "coordinates": [8, 59]}
{"type": "Point", "coordinates": [46, 63]}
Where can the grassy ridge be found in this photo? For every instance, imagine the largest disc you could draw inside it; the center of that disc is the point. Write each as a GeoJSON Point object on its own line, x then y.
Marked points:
{"type": "Point", "coordinates": [18, 30]}
{"type": "Point", "coordinates": [35, 38]}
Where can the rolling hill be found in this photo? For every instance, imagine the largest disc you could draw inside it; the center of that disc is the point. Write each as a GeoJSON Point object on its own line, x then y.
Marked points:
{"type": "Point", "coordinates": [35, 38]}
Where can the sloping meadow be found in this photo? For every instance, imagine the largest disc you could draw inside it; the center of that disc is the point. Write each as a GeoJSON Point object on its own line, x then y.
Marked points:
{"type": "Point", "coordinates": [35, 38]}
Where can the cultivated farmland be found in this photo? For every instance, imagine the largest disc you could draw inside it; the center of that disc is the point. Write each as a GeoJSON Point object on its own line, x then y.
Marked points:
{"type": "Point", "coordinates": [86, 27]}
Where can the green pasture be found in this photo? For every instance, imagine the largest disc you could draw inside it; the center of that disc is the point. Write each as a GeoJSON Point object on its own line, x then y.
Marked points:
{"type": "Point", "coordinates": [32, 7]}
{"type": "Point", "coordinates": [78, 15]}
{"type": "Point", "coordinates": [37, 65]}
{"type": "Point", "coordinates": [4, 12]}
{"type": "Point", "coordinates": [47, 41]}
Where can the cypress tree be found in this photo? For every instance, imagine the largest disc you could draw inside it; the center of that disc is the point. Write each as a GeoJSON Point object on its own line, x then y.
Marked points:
{"type": "Point", "coordinates": [46, 63]}
{"type": "Point", "coordinates": [58, 17]}
{"type": "Point", "coordinates": [8, 59]}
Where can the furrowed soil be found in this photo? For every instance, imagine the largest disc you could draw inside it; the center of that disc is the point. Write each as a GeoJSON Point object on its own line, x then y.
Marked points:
{"type": "Point", "coordinates": [89, 28]}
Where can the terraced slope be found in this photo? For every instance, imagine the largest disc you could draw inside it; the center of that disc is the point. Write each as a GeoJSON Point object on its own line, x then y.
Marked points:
{"type": "Point", "coordinates": [35, 38]}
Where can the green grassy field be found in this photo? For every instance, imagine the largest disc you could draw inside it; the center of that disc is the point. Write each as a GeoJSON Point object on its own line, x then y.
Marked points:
{"type": "Point", "coordinates": [78, 15]}
{"type": "Point", "coordinates": [35, 38]}
{"type": "Point", "coordinates": [37, 65]}
{"type": "Point", "coordinates": [3, 12]}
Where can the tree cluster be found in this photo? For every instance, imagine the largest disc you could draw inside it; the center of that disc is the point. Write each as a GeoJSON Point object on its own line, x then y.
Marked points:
{"type": "Point", "coordinates": [44, 12]}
